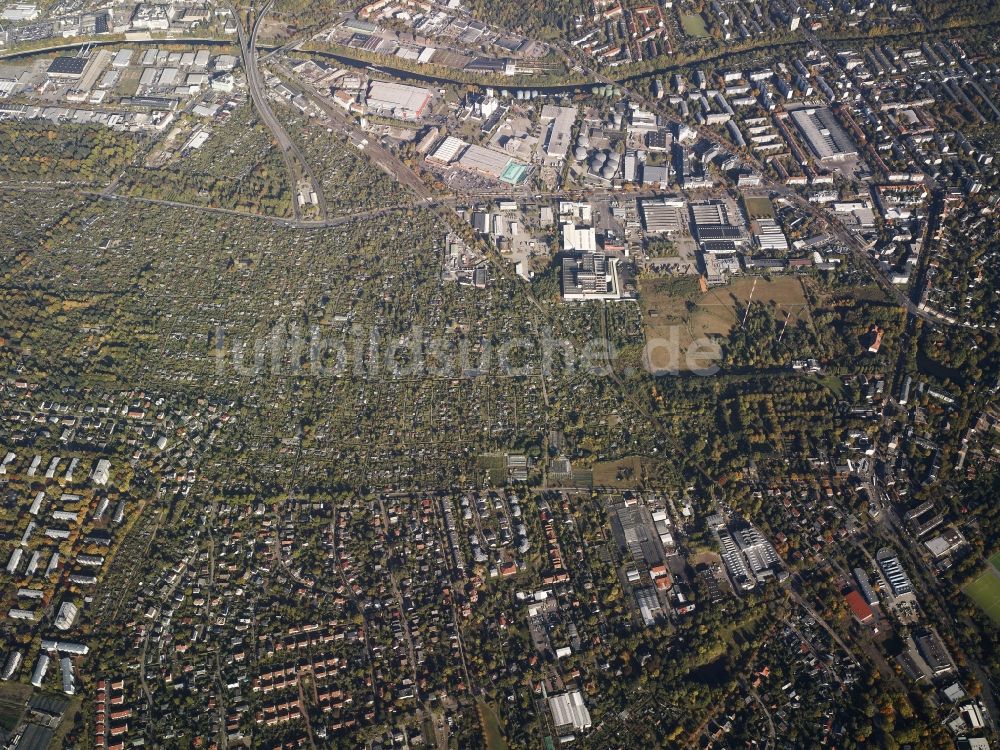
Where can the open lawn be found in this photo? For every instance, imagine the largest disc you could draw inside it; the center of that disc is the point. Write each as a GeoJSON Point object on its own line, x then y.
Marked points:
{"type": "Point", "coordinates": [129, 83]}
{"type": "Point", "coordinates": [758, 207]}
{"type": "Point", "coordinates": [995, 561]}
{"type": "Point", "coordinates": [985, 592]}
{"type": "Point", "coordinates": [693, 25]}
{"type": "Point", "coordinates": [676, 313]}
{"type": "Point", "coordinates": [491, 728]}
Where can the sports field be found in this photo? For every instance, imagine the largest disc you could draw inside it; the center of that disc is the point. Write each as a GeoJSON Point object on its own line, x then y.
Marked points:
{"type": "Point", "coordinates": [985, 592]}
{"type": "Point", "coordinates": [995, 561]}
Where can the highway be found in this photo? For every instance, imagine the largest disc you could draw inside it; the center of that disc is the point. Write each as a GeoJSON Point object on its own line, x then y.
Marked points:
{"type": "Point", "coordinates": [295, 161]}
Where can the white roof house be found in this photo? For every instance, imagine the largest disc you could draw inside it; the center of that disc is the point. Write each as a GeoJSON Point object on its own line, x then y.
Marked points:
{"type": "Point", "coordinates": [101, 471]}
{"type": "Point", "coordinates": [66, 616]}
{"type": "Point", "coordinates": [583, 239]}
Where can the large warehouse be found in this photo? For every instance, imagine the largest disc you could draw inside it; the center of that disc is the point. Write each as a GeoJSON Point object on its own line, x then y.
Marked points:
{"type": "Point", "coordinates": [664, 215]}
{"type": "Point", "coordinates": [484, 160]}
{"type": "Point", "coordinates": [828, 141]}
{"type": "Point", "coordinates": [397, 100]}
{"type": "Point", "coordinates": [569, 711]}
{"type": "Point", "coordinates": [559, 125]}
{"type": "Point", "coordinates": [67, 67]}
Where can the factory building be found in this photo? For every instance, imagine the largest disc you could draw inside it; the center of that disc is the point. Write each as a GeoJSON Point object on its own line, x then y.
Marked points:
{"type": "Point", "coordinates": [569, 712]}
{"type": "Point", "coordinates": [663, 215]}
{"type": "Point", "coordinates": [397, 100]}
{"type": "Point", "coordinates": [589, 276]}
{"type": "Point", "coordinates": [826, 138]}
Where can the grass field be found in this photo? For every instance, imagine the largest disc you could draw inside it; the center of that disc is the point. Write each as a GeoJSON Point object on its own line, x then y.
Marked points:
{"type": "Point", "coordinates": [625, 472]}
{"type": "Point", "coordinates": [985, 592]}
{"type": "Point", "coordinates": [491, 728]}
{"type": "Point", "coordinates": [833, 384]}
{"type": "Point", "coordinates": [995, 561]}
{"type": "Point", "coordinates": [129, 83]}
{"type": "Point", "coordinates": [693, 25]}
{"type": "Point", "coordinates": [677, 312]}
{"type": "Point", "coordinates": [758, 207]}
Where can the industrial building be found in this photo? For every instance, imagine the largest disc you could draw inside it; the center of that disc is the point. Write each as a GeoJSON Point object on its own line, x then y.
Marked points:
{"type": "Point", "coordinates": [656, 174]}
{"type": "Point", "coordinates": [579, 239]}
{"type": "Point", "coordinates": [484, 160]}
{"type": "Point", "coordinates": [18, 12]}
{"type": "Point", "coordinates": [864, 583]}
{"type": "Point", "coordinates": [934, 653]}
{"type": "Point", "coordinates": [589, 276]}
{"type": "Point", "coordinates": [122, 59]}
{"type": "Point", "coordinates": [769, 237]}
{"type": "Point", "coordinates": [154, 17]}
{"type": "Point", "coordinates": [721, 238]}
{"type": "Point", "coordinates": [67, 68]}
{"type": "Point", "coordinates": [569, 712]}
{"type": "Point", "coordinates": [709, 212]}
{"type": "Point", "coordinates": [758, 552]}
{"type": "Point", "coordinates": [663, 215]}
{"type": "Point", "coordinates": [479, 159]}
{"type": "Point", "coordinates": [648, 604]}
{"type": "Point", "coordinates": [560, 125]}
{"type": "Point", "coordinates": [735, 562]}
{"type": "Point", "coordinates": [636, 533]}
{"type": "Point", "coordinates": [448, 150]}
{"type": "Point", "coordinates": [861, 610]}
{"type": "Point", "coordinates": [826, 138]}
{"type": "Point", "coordinates": [397, 100]}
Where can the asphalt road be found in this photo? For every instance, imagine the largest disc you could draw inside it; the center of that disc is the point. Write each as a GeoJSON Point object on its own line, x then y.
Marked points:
{"type": "Point", "coordinates": [295, 161]}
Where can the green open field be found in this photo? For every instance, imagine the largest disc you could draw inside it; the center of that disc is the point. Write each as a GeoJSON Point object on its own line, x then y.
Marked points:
{"type": "Point", "coordinates": [985, 592]}
{"type": "Point", "coordinates": [995, 561]}
{"type": "Point", "coordinates": [677, 313]}
{"type": "Point", "coordinates": [128, 85]}
{"type": "Point", "coordinates": [491, 728]}
{"type": "Point", "coordinates": [694, 25]}
{"type": "Point", "coordinates": [758, 207]}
